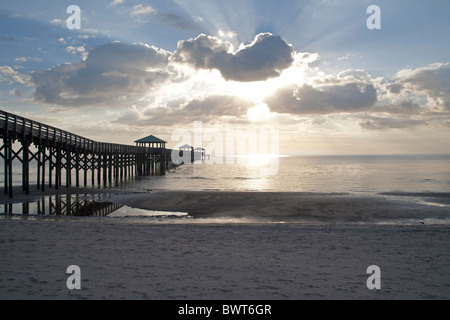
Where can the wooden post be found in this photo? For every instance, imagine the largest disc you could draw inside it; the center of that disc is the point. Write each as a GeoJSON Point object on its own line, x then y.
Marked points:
{"type": "Point", "coordinates": [50, 161]}
{"type": "Point", "coordinates": [6, 152]}
{"type": "Point", "coordinates": [25, 167]}
{"type": "Point", "coordinates": [105, 166]}
{"type": "Point", "coordinates": [50, 166]}
{"type": "Point", "coordinates": [85, 158]}
{"type": "Point", "coordinates": [5, 170]}
{"type": "Point", "coordinates": [68, 160]}
{"type": "Point", "coordinates": [99, 163]}
{"type": "Point", "coordinates": [43, 168]}
{"type": "Point", "coordinates": [39, 161]}
{"type": "Point", "coordinates": [58, 167]}
{"type": "Point", "coordinates": [9, 167]}
{"type": "Point", "coordinates": [110, 167]}
{"type": "Point", "coordinates": [93, 168]}
{"type": "Point", "coordinates": [77, 168]}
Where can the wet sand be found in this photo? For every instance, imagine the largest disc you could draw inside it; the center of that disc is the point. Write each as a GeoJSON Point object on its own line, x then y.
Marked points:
{"type": "Point", "coordinates": [284, 206]}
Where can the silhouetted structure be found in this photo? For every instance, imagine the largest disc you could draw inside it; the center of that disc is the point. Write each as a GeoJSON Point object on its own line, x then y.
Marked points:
{"type": "Point", "coordinates": [56, 150]}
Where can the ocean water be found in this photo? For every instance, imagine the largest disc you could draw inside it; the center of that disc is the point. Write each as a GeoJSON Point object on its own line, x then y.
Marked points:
{"type": "Point", "coordinates": [347, 173]}
{"type": "Point", "coordinates": [322, 174]}
{"type": "Point", "coordinates": [423, 181]}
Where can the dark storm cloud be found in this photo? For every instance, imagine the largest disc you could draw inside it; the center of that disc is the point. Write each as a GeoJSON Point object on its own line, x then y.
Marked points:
{"type": "Point", "coordinates": [266, 57]}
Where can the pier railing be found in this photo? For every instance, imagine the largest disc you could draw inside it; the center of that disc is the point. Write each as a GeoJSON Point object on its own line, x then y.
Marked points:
{"type": "Point", "coordinates": [16, 127]}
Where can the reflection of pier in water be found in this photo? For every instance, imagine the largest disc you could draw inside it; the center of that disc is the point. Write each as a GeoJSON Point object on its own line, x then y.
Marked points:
{"type": "Point", "coordinates": [66, 205]}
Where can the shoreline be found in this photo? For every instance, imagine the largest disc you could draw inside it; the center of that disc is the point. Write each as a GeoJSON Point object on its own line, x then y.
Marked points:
{"type": "Point", "coordinates": [254, 206]}
{"type": "Point", "coordinates": [283, 206]}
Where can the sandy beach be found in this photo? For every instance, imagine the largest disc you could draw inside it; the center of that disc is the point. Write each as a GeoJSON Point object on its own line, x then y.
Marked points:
{"type": "Point", "coordinates": [123, 259]}
{"type": "Point", "coordinates": [236, 245]}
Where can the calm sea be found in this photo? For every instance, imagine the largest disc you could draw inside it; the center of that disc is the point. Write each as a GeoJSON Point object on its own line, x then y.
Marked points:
{"type": "Point", "coordinates": [348, 174]}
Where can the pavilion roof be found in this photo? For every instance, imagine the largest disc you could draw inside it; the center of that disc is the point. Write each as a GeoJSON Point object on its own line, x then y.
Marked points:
{"type": "Point", "coordinates": [150, 139]}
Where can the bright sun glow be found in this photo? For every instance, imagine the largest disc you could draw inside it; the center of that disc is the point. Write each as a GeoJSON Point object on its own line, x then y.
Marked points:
{"type": "Point", "coordinates": [258, 160]}
{"type": "Point", "coordinates": [259, 112]}
{"type": "Point", "coordinates": [250, 90]}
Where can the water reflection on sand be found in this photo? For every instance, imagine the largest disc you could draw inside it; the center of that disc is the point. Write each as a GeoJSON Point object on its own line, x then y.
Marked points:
{"type": "Point", "coordinates": [78, 205]}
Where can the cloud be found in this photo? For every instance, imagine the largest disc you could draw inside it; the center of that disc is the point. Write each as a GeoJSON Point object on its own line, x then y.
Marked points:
{"type": "Point", "coordinates": [227, 34]}
{"type": "Point", "coordinates": [143, 10]}
{"type": "Point", "coordinates": [118, 74]}
{"type": "Point", "coordinates": [172, 18]}
{"type": "Point", "coordinates": [56, 21]}
{"type": "Point", "coordinates": [335, 98]}
{"type": "Point", "coordinates": [403, 107]}
{"type": "Point", "coordinates": [266, 57]}
{"type": "Point", "coordinates": [378, 123]}
{"type": "Point", "coordinates": [203, 80]}
{"type": "Point", "coordinates": [395, 88]}
{"type": "Point", "coordinates": [9, 75]}
{"type": "Point", "coordinates": [433, 81]}
{"type": "Point", "coordinates": [178, 20]}
{"type": "Point", "coordinates": [74, 50]}
{"type": "Point", "coordinates": [25, 59]}
{"type": "Point", "coordinates": [209, 109]}
{"type": "Point", "coordinates": [113, 73]}
{"type": "Point", "coordinates": [116, 2]}
{"type": "Point", "coordinates": [16, 92]}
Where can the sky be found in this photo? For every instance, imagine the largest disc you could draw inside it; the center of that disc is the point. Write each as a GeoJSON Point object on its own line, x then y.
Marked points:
{"type": "Point", "coordinates": [310, 69]}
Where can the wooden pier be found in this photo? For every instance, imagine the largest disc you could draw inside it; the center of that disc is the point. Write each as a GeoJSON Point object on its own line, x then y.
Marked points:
{"type": "Point", "coordinates": [59, 153]}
